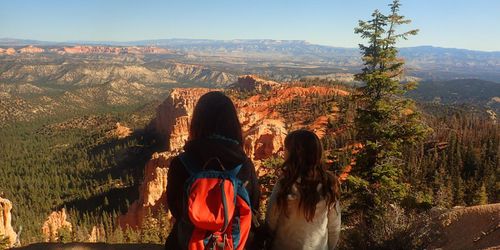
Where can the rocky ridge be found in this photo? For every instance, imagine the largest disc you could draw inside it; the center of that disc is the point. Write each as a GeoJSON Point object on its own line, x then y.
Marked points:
{"type": "Point", "coordinates": [111, 50]}
{"type": "Point", "coordinates": [88, 49]}
{"type": "Point", "coordinates": [253, 83]}
{"type": "Point", "coordinates": [93, 73]}
{"type": "Point", "coordinates": [32, 89]}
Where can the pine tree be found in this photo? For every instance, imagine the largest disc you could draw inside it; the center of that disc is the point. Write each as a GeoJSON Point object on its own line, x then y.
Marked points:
{"type": "Point", "coordinates": [164, 223]}
{"type": "Point", "coordinates": [481, 197]}
{"type": "Point", "coordinates": [117, 236]}
{"type": "Point", "coordinates": [150, 231]}
{"type": "Point", "coordinates": [131, 236]}
{"type": "Point", "coordinates": [385, 119]}
{"type": "Point", "coordinates": [459, 192]}
{"type": "Point", "coordinates": [64, 235]}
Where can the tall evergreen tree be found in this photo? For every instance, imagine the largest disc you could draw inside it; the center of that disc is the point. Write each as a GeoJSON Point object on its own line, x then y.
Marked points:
{"type": "Point", "coordinates": [481, 197]}
{"type": "Point", "coordinates": [385, 119]}
{"type": "Point", "coordinates": [150, 231]}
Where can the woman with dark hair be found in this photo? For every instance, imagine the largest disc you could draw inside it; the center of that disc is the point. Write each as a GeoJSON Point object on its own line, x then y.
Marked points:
{"type": "Point", "coordinates": [303, 211]}
{"type": "Point", "coordinates": [215, 133]}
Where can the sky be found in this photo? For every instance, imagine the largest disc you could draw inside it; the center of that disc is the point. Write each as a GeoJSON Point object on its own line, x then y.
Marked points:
{"type": "Point", "coordinates": [469, 24]}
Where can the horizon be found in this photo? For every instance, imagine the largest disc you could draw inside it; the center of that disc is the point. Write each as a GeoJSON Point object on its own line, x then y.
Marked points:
{"type": "Point", "coordinates": [448, 24]}
{"type": "Point", "coordinates": [106, 43]}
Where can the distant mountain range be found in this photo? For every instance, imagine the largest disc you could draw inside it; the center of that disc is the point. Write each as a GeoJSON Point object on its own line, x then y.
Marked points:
{"type": "Point", "coordinates": [426, 62]}
{"type": "Point", "coordinates": [38, 78]}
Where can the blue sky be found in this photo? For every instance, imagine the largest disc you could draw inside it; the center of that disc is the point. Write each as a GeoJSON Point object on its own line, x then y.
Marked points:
{"type": "Point", "coordinates": [446, 23]}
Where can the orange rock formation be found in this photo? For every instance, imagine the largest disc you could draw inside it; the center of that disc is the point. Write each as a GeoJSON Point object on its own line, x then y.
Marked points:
{"type": "Point", "coordinates": [172, 116]}
{"type": "Point", "coordinates": [265, 139]}
{"type": "Point", "coordinates": [152, 192]}
{"type": "Point", "coordinates": [57, 220]}
{"type": "Point", "coordinates": [31, 49]}
{"type": "Point", "coordinates": [10, 51]}
{"type": "Point", "coordinates": [119, 131]}
{"type": "Point", "coordinates": [254, 83]}
{"type": "Point", "coordinates": [6, 229]}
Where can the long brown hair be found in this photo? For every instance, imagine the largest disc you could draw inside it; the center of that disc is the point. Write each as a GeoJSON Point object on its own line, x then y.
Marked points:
{"type": "Point", "coordinates": [304, 160]}
{"type": "Point", "coordinates": [215, 114]}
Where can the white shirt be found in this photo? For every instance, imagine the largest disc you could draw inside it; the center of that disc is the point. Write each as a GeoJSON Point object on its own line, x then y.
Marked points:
{"type": "Point", "coordinates": [295, 232]}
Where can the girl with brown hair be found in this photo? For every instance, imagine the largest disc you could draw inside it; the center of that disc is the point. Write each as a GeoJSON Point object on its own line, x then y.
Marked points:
{"type": "Point", "coordinates": [303, 211]}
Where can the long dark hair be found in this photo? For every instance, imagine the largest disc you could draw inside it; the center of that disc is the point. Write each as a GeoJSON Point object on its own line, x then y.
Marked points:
{"type": "Point", "coordinates": [215, 114]}
{"type": "Point", "coordinates": [304, 155]}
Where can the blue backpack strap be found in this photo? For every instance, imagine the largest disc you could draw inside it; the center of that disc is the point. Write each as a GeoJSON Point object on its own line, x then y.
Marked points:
{"type": "Point", "coordinates": [233, 172]}
{"type": "Point", "coordinates": [188, 163]}
{"type": "Point", "coordinates": [192, 168]}
{"type": "Point", "coordinates": [224, 204]}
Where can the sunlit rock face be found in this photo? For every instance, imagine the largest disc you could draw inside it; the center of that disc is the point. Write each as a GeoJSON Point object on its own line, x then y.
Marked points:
{"type": "Point", "coordinates": [31, 50]}
{"type": "Point", "coordinates": [265, 139]}
{"type": "Point", "coordinates": [6, 229]}
{"type": "Point", "coordinates": [57, 220]}
{"type": "Point", "coordinates": [10, 51]}
{"type": "Point", "coordinates": [253, 83]}
{"type": "Point", "coordinates": [152, 192]}
{"type": "Point", "coordinates": [172, 116]}
{"type": "Point", "coordinates": [119, 131]}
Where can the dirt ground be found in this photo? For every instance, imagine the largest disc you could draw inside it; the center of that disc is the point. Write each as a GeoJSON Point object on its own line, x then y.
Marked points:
{"type": "Point", "coordinates": [475, 227]}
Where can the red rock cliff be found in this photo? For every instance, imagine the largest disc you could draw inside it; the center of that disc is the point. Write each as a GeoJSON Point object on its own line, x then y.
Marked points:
{"type": "Point", "coordinates": [172, 116]}
{"type": "Point", "coordinates": [152, 192]}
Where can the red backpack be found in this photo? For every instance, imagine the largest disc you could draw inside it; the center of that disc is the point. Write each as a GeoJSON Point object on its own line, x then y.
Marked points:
{"type": "Point", "coordinates": [217, 208]}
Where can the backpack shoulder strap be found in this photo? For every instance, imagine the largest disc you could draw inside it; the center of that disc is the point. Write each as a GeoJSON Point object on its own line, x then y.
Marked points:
{"type": "Point", "coordinates": [233, 172]}
{"type": "Point", "coordinates": [188, 163]}
{"type": "Point", "coordinates": [192, 168]}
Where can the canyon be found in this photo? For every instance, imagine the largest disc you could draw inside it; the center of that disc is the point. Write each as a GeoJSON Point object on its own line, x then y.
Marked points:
{"type": "Point", "coordinates": [60, 91]}
{"type": "Point", "coordinates": [34, 88]}
{"type": "Point", "coordinates": [267, 110]}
